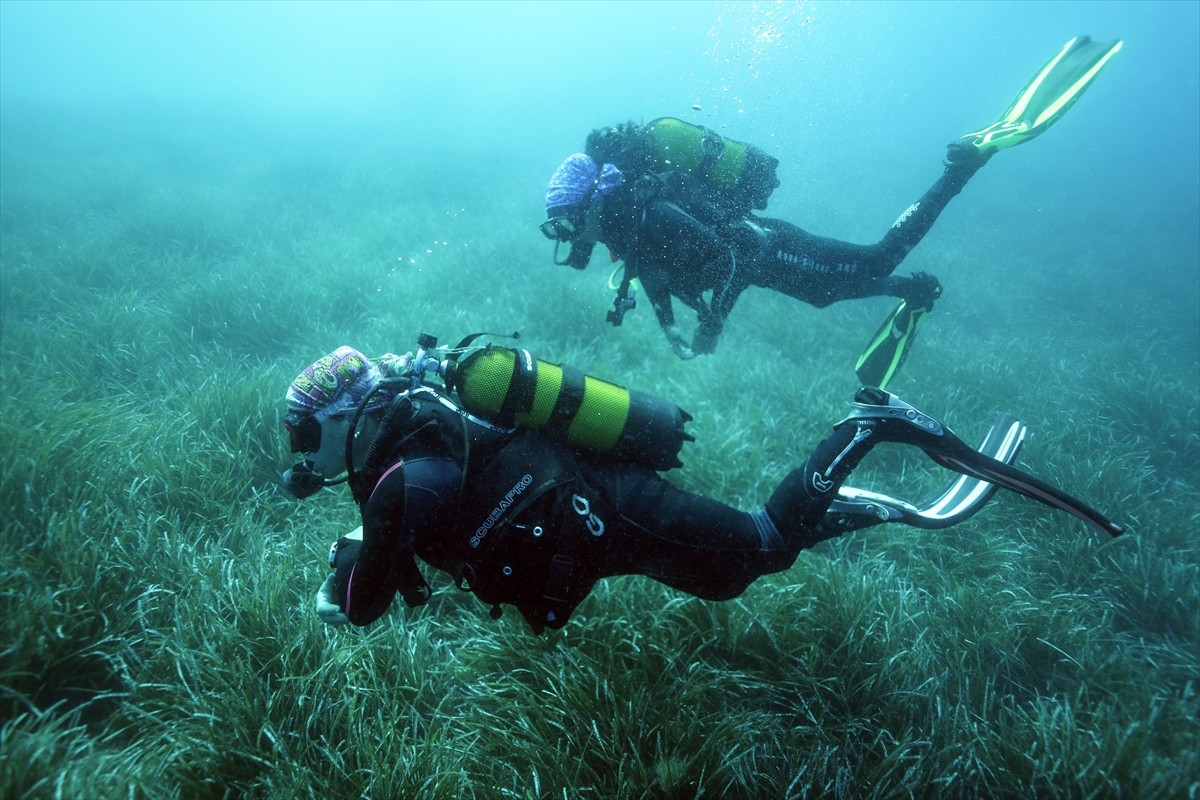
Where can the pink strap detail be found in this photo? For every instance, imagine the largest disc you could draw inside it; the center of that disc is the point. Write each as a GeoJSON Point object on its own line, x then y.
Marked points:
{"type": "Point", "coordinates": [383, 477]}
{"type": "Point", "coordinates": [349, 586]}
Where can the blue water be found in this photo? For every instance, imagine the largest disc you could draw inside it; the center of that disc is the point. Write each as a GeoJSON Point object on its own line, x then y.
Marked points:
{"type": "Point", "coordinates": [857, 100]}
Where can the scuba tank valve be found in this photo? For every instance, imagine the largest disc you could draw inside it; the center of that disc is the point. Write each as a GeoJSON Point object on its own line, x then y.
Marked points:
{"type": "Point", "coordinates": [424, 362]}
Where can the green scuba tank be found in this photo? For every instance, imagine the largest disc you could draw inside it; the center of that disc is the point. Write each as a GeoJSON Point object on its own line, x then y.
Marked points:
{"type": "Point", "coordinates": [741, 173]}
{"type": "Point", "coordinates": [739, 170]}
{"type": "Point", "coordinates": [510, 386]}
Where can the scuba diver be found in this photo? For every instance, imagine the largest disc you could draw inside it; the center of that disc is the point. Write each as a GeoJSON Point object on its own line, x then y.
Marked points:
{"type": "Point", "coordinates": [673, 201]}
{"type": "Point", "coordinates": [527, 482]}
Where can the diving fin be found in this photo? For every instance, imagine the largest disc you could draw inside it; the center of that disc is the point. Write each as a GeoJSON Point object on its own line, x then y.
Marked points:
{"type": "Point", "coordinates": [1053, 90]}
{"type": "Point", "coordinates": [894, 420]}
{"type": "Point", "coordinates": [855, 509]}
{"type": "Point", "coordinates": [889, 346]}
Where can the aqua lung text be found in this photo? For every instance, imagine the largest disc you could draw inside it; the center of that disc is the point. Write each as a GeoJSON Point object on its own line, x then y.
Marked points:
{"type": "Point", "coordinates": [811, 265]}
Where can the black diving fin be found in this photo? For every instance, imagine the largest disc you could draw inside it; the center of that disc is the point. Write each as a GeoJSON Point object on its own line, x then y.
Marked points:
{"type": "Point", "coordinates": [890, 345]}
{"type": "Point", "coordinates": [1046, 97]}
{"type": "Point", "coordinates": [855, 509]}
{"type": "Point", "coordinates": [894, 420]}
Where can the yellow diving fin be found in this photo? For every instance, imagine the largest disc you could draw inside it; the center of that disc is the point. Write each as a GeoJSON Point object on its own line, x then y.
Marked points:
{"type": "Point", "coordinates": [1053, 90]}
{"type": "Point", "coordinates": [890, 344]}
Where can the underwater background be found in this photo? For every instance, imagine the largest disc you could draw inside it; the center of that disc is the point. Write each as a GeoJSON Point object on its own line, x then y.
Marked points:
{"type": "Point", "coordinates": [198, 200]}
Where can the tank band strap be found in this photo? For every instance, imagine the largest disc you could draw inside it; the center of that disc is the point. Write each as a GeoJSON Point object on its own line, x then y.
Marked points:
{"type": "Point", "coordinates": [521, 388]}
{"type": "Point", "coordinates": [712, 147]}
{"type": "Point", "coordinates": [570, 398]}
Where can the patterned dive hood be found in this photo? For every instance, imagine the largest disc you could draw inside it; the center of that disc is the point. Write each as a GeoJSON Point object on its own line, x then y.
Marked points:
{"type": "Point", "coordinates": [336, 384]}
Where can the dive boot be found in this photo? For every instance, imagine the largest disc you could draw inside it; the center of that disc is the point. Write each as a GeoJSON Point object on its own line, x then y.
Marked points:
{"type": "Point", "coordinates": [1044, 100]}
{"type": "Point", "coordinates": [878, 413]}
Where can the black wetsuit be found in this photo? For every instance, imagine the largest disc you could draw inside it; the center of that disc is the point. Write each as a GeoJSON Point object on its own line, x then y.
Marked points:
{"type": "Point", "coordinates": [677, 237]}
{"type": "Point", "coordinates": [521, 519]}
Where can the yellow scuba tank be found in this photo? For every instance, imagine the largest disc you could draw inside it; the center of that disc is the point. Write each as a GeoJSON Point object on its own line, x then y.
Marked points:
{"type": "Point", "coordinates": [681, 146]}
{"type": "Point", "coordinates": [726, 165]}
{"type": "Point", "coordinates": [509, 386]}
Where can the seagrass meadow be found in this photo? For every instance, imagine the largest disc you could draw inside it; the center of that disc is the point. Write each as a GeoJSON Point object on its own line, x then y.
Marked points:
{"type": "Point", "coordinates": [165, 274]}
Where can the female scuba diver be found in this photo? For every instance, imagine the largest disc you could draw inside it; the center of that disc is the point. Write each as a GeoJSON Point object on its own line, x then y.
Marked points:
{"type": "Point", "coordinates": [673, 201]}
{"type": "Point", "coordinates": [527, 482]}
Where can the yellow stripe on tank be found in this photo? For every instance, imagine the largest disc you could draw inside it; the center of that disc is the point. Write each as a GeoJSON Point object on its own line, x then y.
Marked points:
{"type": "Point", "coordinates": [728, 170]}
{"type": "Point", "coordinates": [602, 416]}
{"type": "Point", "coordinates": [681, 144]}
{"type": "Point", "coordinates": [486, 381]}
{"type": "Point", "coordinates": [678, 144]}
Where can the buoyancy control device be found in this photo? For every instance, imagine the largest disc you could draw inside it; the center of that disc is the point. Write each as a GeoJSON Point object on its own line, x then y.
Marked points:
{"type": "Point", "coordinates": [508, 386]}
{"type": "Point", "coordinates": [741, 172]}
{"type": "Point", "coordinates": [500, 389]}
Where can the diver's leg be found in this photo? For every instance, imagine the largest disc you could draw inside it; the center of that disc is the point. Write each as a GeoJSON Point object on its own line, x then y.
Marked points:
{"type": "Point", "coordinates": [804, 495]}
{"type": "Point", "coordinates": [689, 542]}
{"type": "Point", "coordinates": [816, 269]}
{"type": "Point", "coordinates": [707, 548]}
{"type": "Point", "coordinates": [907, 231]}
{"type": "Point", "coordinates": [821, 271]}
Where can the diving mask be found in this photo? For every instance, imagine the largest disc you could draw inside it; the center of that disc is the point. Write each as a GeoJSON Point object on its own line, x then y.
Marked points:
{"type": "Point", "coordinates": [559, 229]}
{"type": "Point", "coordinates": [304, 432]}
